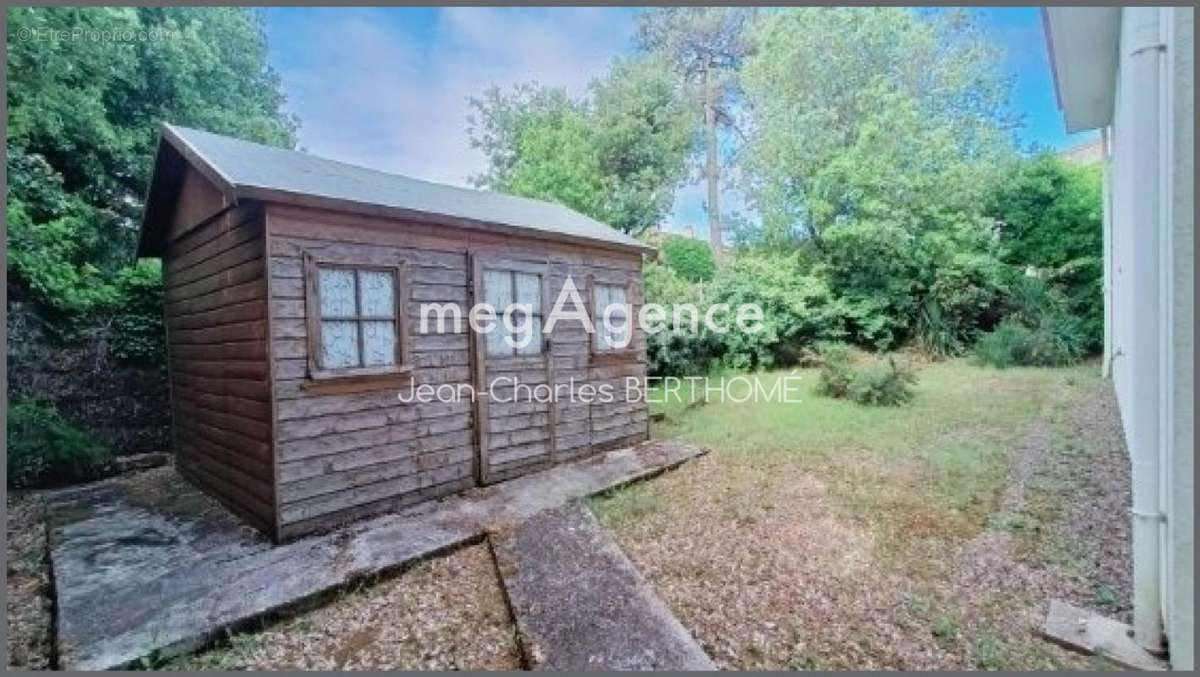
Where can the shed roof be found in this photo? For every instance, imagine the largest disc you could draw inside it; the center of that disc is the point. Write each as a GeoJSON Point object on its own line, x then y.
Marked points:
{"type": "Point", "coordinates": [243, 170]}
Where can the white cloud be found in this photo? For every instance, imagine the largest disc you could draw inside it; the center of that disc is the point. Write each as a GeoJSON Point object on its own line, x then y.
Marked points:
{"type": "Point", "coordinates": [372, 93]}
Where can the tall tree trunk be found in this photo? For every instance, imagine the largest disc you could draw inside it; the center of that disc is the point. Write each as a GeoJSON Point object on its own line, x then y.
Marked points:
{"type": "Point", "coordinates": [712, 168]}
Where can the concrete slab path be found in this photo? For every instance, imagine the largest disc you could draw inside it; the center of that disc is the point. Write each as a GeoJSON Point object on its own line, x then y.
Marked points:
{"type": "Point", "coordinates": [1088, 632]}
{"type": "Point", "coordinates": [580, 604]}
{"type": "Point", "coordinates": [135, 577]}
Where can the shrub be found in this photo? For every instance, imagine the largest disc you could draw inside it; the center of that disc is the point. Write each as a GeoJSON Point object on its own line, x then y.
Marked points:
{"type": "Point", "coordinates": [137, 321]}
{"type": "Point", "coordinates": [44, 449]}
{"type": "Point", "coordinates": [671, 353]}
{"type": "Point", "coordinates": [692, 259]}
{"type": "Point", "coordinates": [869, 381]}
{"type": "Point", "coordinates": [1056, 340]}
{"type": "Point", "coordinates": [936, 335]}
{"type": "Point", "coordinates": [872, 267]}
{"type": "Point", "coordinates": [966, 296]}
{"type": "Point", "coordinates": [1039, 331]}
{"type": "Point", "coordinates": [799, 310]}
{"type": "Point", "coordinates": [1051, 212]}
{"type": "Point", "coordinates": [1004, 346]}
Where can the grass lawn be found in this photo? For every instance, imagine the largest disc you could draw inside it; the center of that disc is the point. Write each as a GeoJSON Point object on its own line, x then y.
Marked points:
{"type": "Point", "coordinates": [826, 534]}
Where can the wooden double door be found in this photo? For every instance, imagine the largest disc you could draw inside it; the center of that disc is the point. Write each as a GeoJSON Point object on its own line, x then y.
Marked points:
{"type": "Point", "coordinates": [512, 368]}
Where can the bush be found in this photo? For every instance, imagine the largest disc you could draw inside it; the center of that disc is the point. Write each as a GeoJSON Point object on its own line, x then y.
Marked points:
{"type": "Point", "coordinates": [1055, 341]}
{"type": "Point", "coordinates": [1040, 330]}
{"type": "Point", "coordinates": [799, 310]}
{"type": "Point", "coordinates": [869, 381]}
{"type": "Point", "coordinates": [672, 353]}
{"type": "Point", "coordinates": [873, 268]}
{"type": "Point", "coordinates": [692, 259]}
{"type": "Point", "coordinates": [965, 297]}
{"type": "Point", "coordinates": [44, 449]}
{"type": "Point", "coordinates": [1052, 213]}
{"type": "Point", "coordinates": [137, 321]}
{"type": "Point", "coordinates": [1005, 346]}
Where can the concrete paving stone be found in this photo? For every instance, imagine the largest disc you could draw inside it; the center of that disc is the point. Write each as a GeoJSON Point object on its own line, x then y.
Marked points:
{"type": "Point", "coordinates": [580, 604]}
{"type": "Point", "coordinates": [135, 578]}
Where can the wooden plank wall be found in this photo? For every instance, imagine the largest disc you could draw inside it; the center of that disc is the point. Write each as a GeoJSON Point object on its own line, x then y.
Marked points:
{"type": "Point", "coordinates": [216, 314]}
{"type": "Point", "coordinates": [346, 456]}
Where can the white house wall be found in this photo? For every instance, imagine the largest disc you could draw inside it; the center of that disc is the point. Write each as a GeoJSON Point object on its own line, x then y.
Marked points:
{"type": "Point", "coordinates": [1151, 275]}
{"type": "Point", "coordinates": [1180, 368]}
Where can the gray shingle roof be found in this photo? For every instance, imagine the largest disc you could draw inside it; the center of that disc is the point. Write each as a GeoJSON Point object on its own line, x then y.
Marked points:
{"type": "Point", "coordinates": [243, 165]}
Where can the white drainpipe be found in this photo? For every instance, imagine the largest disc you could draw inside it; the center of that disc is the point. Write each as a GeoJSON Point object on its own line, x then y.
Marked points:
{"type": "Point", "coordinates": [1143, 47]}
{"type": "Point", "coordinates": [1106, 198]}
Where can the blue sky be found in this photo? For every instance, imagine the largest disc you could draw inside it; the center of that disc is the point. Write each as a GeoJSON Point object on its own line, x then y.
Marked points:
{"type": "Point", "coordinates": [387, 87]}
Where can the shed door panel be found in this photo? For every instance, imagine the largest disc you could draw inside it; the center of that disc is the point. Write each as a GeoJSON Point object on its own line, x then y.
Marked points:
{"type": "Point", "coordinates": [515, 418]}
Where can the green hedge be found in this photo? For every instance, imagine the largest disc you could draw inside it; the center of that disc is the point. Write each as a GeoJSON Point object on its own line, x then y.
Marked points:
{"type": "Point", "coordinates": [44, 449]}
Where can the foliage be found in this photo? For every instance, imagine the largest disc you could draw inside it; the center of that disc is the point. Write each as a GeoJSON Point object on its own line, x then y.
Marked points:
{"type": "Point", "coordinates": [869, 381]}
{"type": "Point", "coordinates": [670, 352]}
{"type": "Point", "coordinates": [53, 258]}
{"type": "Point", "coordinates": [1005, 346]}
{"type": "Point", "coordinates": [1051, 219]}
{"type": "Point", "coordinates": [1039, 332]}
{"type": "Point", "coordinates": [798, 309]}
{"type": "Point", "coordinates": [44, 449]}
{"type": "Point", "coordinates": [83, 122]}
{"type": "Point", "coordinates": [872, 114]}
{"type": "Point", "coordinates": [616, 155]}
{"type": "Point", "coordinates": [692, 259]}
{"type": "Point", "coordinates": [940, 287]}
{"type": "Point", "coordinates": [137, 322]}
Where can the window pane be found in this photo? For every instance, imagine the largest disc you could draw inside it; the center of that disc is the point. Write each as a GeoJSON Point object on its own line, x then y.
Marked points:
{"type": "Point", "coordinates": [610, 301]}
{"type": "Point", "coordinates": [339, 344]}
{"type": "Point", "coordinates": [377, 287]}
{"type": "Point", "coordinates": [379, 343]}
{"type": "Point", "coordinates": [535, 343]}
{"type": "Point", "coordinates": [601, 298]}
{"type": "Point", "coordinates": [529, 290]}
{"type": "Point", "coordinates": [496, 344]}
{"type": "Point", "coordinates": [497, 289]}
{"type": "Point", "coordinates": [337, 292]}
{"type": "Point", "coordinates": [620, 333]}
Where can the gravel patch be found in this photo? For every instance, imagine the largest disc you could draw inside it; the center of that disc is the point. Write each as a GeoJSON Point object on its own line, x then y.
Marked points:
{"type": "Point", "coordinates": [1060, 531]}
{"type": "Point", "coordinates": [445, 613]}
{"type": "Point", "coordinates": [28, 585]}
{"type": "Point", "coordinates": [765, 576]}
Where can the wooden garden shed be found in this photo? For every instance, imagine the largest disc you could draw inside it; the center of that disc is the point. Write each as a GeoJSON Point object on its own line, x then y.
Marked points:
{"type": "Point", "coordinates": [294, 292]}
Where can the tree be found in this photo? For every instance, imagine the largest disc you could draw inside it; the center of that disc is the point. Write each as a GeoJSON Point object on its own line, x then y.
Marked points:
{"type": "Point", "coordinates": [867, 113]}
{"type": "Point", "coordinates": [615, 155]}
{"type": "Point", "coordinates": [83, 119]}
{"type": "Point", "coordinates": [706, 47]}
{"type": "Point", "coordinates": [1050, 216]}
{"type": "Point", "coordinates": [692, 259]}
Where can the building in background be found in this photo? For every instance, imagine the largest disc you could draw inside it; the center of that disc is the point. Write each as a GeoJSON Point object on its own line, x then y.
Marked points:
{"type": "Point", "coordinates": [1129, 73]}
{"type": "Point", "coordinates": [1087, 153]}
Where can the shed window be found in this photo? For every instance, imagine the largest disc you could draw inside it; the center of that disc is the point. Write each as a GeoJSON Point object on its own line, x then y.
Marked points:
{"type": "Point", "coordinates": [503, 289]}
{"type": "Point", "coordinates": [614, 334]}
{"type": "Point", "coordinates": [357, 317]}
